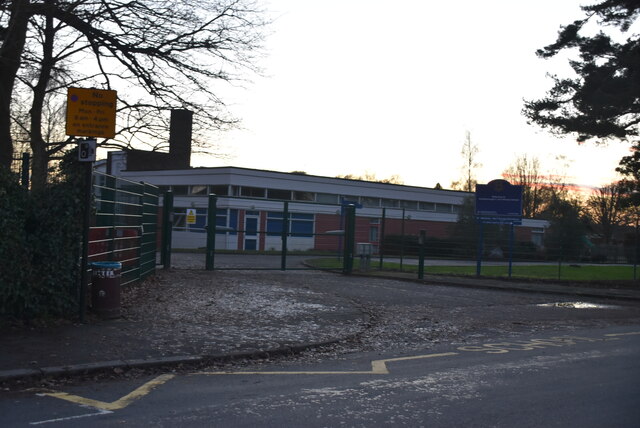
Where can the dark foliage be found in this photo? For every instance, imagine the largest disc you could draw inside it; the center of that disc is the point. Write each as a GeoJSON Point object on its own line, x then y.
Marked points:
{"type": "Point", "coordinates": [40, 235]}
{"type": "Point", "coordinates": [603, 100]}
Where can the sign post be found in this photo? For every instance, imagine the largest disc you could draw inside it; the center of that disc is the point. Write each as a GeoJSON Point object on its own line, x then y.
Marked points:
{"type": "Point", "coordinates": [498, 202]}
{"type": "Point", "coordinates": [90, 113]}
{"type": "Point", "coordinates": [86, 155]}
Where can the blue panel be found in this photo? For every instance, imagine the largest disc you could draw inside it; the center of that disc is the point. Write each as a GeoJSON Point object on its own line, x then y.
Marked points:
{"type": "Point", "coordinates": [301, 228]}
{"type": "Point", "coordinates": [274, 227]}
{"type": "Point", "coordinates": [233, 220]}
{"type": "Point", "coordinates": [499, 198]}
{"type": "Point", "coordinates": [250, 244]}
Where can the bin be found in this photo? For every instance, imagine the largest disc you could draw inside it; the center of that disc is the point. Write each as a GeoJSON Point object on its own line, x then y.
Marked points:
{"type": "Point", "coordinates": [105, 288]}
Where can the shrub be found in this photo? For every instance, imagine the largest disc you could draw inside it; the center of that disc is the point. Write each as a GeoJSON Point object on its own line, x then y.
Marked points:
{"type": "Point", "coordinates": [40, 236]}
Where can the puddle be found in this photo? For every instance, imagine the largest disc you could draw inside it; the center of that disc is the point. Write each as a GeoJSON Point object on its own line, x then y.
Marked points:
{"type": "Point", "coordinates": [576, 305]}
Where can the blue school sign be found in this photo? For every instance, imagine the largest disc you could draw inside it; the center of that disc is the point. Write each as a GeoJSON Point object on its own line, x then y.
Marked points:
{"type": "Point", "coordinates": [499, 202]}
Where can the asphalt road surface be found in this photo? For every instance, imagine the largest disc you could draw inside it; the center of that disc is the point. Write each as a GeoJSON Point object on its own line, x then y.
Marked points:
{"type": "Point", "coordinates": [432, 356]}
{"type": "Point", "coordinates": [587, 378]}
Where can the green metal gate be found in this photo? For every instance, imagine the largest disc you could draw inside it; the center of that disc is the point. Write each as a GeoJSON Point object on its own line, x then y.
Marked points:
{"type": "Point", "coordinates": [124, 226]}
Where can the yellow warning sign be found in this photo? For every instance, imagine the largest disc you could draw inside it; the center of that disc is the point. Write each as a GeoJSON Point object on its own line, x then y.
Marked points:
{"type": "Point", "coordinates": [191, 216]}
{"type": "Point", "coordinates": [91, 112]}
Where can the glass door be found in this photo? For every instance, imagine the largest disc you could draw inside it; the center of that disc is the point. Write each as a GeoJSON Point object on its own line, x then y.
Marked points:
{"type": "Point", "coordinates": [251, 231]}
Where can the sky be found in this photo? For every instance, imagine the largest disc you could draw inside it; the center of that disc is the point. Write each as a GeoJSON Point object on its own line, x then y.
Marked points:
{"type": "Point", "coordinates": [391, 87]}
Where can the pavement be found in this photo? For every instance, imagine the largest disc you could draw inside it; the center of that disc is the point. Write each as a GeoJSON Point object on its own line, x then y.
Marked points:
{"type": "Point", "coordinates": [198, 317]}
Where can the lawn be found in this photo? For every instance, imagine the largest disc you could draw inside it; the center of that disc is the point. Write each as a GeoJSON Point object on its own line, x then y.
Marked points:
{"type": "Point", "coordinates": [565, 272]}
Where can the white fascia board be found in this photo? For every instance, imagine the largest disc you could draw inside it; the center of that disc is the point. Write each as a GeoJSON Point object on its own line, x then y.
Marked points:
{"type": "Point", "coordinates": [295, 182]}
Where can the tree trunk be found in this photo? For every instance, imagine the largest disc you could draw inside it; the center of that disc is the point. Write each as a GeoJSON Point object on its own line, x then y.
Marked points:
{"type": "Point", "coordinates": [38, 144]}
{"type": "Point", "coordinates": [10, 57]}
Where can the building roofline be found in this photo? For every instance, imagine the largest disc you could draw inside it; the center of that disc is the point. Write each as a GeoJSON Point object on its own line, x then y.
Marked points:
{"type": "Point", "coordinates": [337, 179]}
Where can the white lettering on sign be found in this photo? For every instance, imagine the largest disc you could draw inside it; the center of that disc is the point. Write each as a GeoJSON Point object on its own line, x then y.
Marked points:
{"type": "Point", "coordinates": [105, 273]}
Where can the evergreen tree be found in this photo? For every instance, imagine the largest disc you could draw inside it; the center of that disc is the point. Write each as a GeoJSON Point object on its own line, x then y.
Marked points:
{"type": "Point", "coordinates": [602, 101]}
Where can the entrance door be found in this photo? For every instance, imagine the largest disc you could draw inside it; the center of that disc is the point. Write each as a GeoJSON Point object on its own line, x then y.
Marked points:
{"type": "Point", "coordinates": [251, 232]}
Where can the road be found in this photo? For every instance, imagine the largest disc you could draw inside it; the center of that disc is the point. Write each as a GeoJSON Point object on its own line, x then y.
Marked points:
{"type": "Point", "coordinates": [587, 378]}
{"type": "Point", "coordinates": [432, 356]}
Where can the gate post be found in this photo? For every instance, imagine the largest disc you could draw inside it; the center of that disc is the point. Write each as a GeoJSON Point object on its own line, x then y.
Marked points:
{"type": "Point", "coordinates": [167, 228]}
{"type": "Point", "coordinates": [381, 238]}
{"type": "Point", "coordinates": [211, 231]}
{"type": "Point", "coordinates": [421, 243]}
{"type": "Point", "coordinates": [480, 248]}
{"type": "Point", "coordinates": [86, 222]}
{"type": "Point", "coordinates": [349, 238]}
{"type": "Point", "coordinates": [285, 232]}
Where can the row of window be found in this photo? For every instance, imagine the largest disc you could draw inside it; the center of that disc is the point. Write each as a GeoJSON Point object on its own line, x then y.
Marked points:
{"type": "Point", "coordinates": [298, 224]}
{"type": "Point", "coordinates": [322, 198]}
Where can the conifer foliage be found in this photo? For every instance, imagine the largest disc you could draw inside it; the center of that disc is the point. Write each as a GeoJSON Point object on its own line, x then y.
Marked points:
{"type": "Point", "coordinates": [602, 101]}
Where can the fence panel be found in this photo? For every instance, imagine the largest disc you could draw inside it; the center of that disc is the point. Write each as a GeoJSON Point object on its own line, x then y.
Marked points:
{"type": "Point", "coordinates": [125, 225]}
{"type": "Point", "coordinates": [257, 233]}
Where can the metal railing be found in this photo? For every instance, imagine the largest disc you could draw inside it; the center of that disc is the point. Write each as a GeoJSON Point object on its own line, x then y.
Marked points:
{"type": "Point", "coordinates": [125, 225]}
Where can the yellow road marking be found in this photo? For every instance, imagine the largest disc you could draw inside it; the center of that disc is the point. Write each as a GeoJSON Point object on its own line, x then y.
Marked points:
{"type": "Point", "coordinates": [377, 367]}
{"type": "Point", "coordinates": [115, 405]}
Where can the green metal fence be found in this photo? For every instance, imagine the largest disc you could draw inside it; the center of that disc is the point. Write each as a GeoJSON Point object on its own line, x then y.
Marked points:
{"type": "Point", "coordinates": [125, 225]}
{"type": "Point", "coordinates": [286, 232]}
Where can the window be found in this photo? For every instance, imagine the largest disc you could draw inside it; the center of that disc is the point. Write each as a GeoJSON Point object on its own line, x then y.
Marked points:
{"type": "Point", "coordinates": [389, 203]}
{"type": "Point", "coordinates": [279, 194]}
{"type": "Point", "coordinates": [201, 221]}
{"type": "Point", "coordinates": [303, 196]}
{"type": "Point", "coordinates": [537, 236]}
{"type": "Point", "coordinates": [443, 208]}
{"type": "Point", "coordinates": [220, 190]}
{"type": "Point", "coordinates": [326, 198]}
{"type": "Point", "coordinates": [180, 190]}
{"type": "Point", "coordinates": [274, 224]}
{"type": "Point", "coordinates": [299, 224]}
{"type": "Point", "coordinates": [179, 218]}
{"type": "Point", "coordinates": [427, 206]}
{"type": "Point", "coordinates": [373, 234]}
{"type": "Point", "coordinates": [348, 199]}
{"type": "Point", "coordinates": [253, 192]}
{"type": "Point", "coordinates": [370, 202]}
{"type": "Point", "coordinates": [226, 219]}
{"type": "Point", "coordinates": [455, 209]}
{"type": "Point", "coordinates": [198, 190]}
{"type": "Point", "coordinates": [412, 205]}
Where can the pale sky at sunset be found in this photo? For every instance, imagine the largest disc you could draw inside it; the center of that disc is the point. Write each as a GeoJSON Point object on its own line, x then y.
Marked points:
{"type": "Point", "coordinates": [390, 87]}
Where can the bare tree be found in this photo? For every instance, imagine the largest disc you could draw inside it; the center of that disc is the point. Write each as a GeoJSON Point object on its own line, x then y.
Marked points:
{"type": "Point", "coordinates": [525, 171]}
{"type": "Point", "coordinates": [607, 208]}
{"type": "Point", "coordinates": [159, 54]}
{"type": "Point", "coordinates": [469, 153]}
